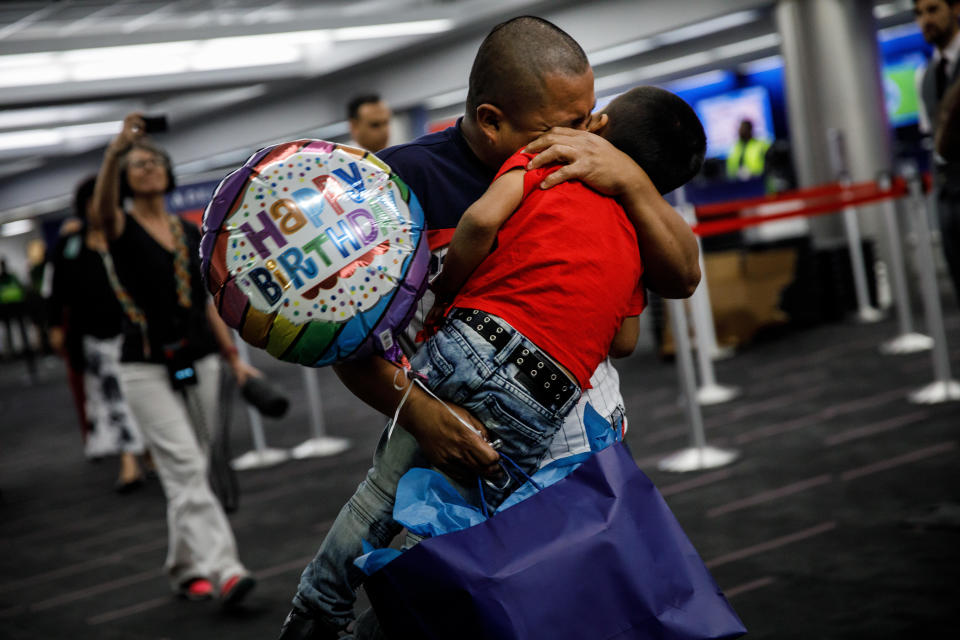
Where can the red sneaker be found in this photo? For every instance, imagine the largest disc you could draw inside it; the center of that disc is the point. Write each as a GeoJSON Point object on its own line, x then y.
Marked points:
{"type": "Point", "coordinates": [236, 589]}
{"type": "Point", "coordinates": [197, 589]}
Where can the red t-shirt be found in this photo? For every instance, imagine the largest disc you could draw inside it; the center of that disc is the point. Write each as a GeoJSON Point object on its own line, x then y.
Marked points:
{"type": "Point", "coordinates": [565, 271]}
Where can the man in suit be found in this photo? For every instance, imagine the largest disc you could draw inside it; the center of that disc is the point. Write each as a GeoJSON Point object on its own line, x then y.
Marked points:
{"type": "Point", "coordinates": [939, 20]}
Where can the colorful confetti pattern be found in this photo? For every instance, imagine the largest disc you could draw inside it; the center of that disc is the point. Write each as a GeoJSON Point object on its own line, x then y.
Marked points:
{"type": "Point", "coordinates": [315, 252]}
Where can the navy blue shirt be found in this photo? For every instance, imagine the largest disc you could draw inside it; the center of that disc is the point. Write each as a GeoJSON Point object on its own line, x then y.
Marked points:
{"type": "Point", "coordinates": [445, 175]}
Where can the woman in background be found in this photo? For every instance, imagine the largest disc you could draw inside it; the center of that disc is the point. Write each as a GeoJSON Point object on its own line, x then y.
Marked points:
{"type": "Point", "coordinates": [170, 370]}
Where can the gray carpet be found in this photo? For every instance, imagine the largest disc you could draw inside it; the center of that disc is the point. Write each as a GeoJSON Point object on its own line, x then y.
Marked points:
{"type": "Point", "coordinates": [823, 529]}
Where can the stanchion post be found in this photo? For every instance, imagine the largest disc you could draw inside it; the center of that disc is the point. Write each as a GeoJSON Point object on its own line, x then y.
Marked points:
{"type": "Point", "coordinates": [698, 455]}
{"type": "Point", "coordinates": [702, 316]}
{"type": "Point", "coordinates": [700, 300]}
{"type": "Point", "coordinates": [865, 312]}
{"type": "Point", "coordinates": [319, 444]}
{"type": "Point", "coordinates": [943, 388]}
{"type": "Point", "coordinates": [908, 341]}
{"type": "Point", "coordinates": [261, 455]}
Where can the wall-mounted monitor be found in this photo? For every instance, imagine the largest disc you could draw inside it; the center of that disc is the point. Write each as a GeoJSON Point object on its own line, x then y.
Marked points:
{"type": "Point", "coordinates": [900, 89]}
{"type": "Point", "coordinates": [721, 116]}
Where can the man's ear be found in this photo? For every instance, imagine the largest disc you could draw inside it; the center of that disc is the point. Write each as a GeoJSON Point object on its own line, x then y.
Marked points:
{"type": "Point", "coordinates": [598, 122]}
{"type": "Point", "coordinates": [490, 120]}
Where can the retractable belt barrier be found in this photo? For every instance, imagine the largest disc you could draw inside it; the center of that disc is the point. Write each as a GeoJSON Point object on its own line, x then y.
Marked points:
{"type": "Point", "coordinates": [844, 197]}
{"type": "Point", "coordinates": [726, 217]}
{"type": "Point", "coordinates": [840, 197]}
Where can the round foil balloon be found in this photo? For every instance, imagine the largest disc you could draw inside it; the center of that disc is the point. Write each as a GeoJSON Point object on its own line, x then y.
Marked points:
{"type": "Point", "coordinates": [315, 252]}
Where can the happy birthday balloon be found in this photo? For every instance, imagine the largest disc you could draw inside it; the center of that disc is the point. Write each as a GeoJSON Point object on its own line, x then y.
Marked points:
{"type": "Point", "coordinates": [315, 252]}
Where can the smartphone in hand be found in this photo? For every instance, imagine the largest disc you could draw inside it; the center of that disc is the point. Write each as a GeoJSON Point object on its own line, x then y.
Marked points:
{"type": "Point", "coordinates": [154, 124]}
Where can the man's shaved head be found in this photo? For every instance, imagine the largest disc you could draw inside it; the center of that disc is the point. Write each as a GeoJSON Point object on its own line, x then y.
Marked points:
{"type": "Point", "coordinates": [515, 58]}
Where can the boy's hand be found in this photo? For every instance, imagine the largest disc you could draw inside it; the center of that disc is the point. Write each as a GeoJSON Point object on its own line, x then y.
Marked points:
{"type": "Point", "coordinates": [434, 318]}
{"type": "Point", "coordinates": [588, 158]}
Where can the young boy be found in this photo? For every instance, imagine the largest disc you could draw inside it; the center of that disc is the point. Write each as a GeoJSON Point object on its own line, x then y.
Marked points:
{"type": "Point", "coordinates": [539, 285]}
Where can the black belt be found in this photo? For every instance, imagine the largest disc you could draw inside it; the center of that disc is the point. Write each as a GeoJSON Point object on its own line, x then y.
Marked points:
{"type": "Point", "coordinates": [547, 383]}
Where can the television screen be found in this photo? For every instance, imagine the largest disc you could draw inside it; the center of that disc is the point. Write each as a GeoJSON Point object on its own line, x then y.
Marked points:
{"type": "Point", "coordinates": [900, 89]}
{"type": "Point", "coordinates": [721, 116]}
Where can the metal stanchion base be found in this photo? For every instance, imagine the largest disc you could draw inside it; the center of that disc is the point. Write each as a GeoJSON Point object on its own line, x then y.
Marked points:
{"type": "Point", "coordinates": [723, 353]}
{"type": "Point", "coordinates": [869, 315]}
{"type": "Point", "coordinates": [259, 459]}
{"type": "Point", "coordinates": [696, 458]}
{"type": "Point", "coordinates": [319, 447]}
{"type": "Point", "coordinates": [716, 394]}
{"type": "Point", "coordinates": [936, 392]}
{"type": "Point", "coordinates": [907, 343]}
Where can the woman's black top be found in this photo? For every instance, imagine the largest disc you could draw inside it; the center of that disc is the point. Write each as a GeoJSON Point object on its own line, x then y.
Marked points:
{"type": "Point", "coordinates": [145, 269]}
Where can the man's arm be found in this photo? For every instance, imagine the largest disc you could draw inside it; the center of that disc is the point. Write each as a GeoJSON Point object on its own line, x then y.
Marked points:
{"type": "Point", "coordinates": [445, 442]}
{"type": "Point", "coordinates": [667, 244]}
{"type": "Point", "coordinates": [477, 231]}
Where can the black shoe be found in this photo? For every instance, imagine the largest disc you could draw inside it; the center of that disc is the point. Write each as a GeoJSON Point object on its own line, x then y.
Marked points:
{"type": "Point", "coordinates": [122, 487]}
{"type": "Point", "coordinates": [299, 626]}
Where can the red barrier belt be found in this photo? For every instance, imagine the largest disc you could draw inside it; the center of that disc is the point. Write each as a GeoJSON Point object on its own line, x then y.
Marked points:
{"type": "Point", "coordinates": [803, 202]}
{"type": "Point", "coordinates": [718, 209]}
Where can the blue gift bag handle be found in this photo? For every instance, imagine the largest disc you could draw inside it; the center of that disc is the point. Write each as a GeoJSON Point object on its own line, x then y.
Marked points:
{"type": "Point", "coordinates": [510, 476]}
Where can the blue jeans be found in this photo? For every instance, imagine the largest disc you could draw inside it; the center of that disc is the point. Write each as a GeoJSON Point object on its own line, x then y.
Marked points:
{"type": "Point", "coordinates": [459, 366]}
{"type": "Point", "coordinates": [463, 367]}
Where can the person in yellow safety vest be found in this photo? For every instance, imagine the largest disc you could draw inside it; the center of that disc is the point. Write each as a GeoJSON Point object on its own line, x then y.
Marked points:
{"type": "Point", "coordinates": [11, 290]}
{"type": "Point", "coordinates": [747, 155]}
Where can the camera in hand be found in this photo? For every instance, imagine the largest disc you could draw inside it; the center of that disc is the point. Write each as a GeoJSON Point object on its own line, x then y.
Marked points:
{"type": "Point", "coordinates": [265, 397]}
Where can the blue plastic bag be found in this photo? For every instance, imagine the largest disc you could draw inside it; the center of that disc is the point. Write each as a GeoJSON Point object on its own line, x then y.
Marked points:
{"type": "Point", "coordinates": [596, 555]}
{"type": "Point", "coordinates": [428, 505]}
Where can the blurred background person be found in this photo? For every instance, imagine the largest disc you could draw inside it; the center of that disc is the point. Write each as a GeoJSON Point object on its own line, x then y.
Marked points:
{"type": "Point", "coordinates": [170, 371]}
{"type": "Point", "coordinates": [746, 158]}
{"type": "Point", "coordinates": [939, 21]}
{"type": "Point", "coordinates": [369, 118]}
{"type": "Point", "coordinates": [86, 329]}
{"type": "Point", "coordinates": [12, 295]}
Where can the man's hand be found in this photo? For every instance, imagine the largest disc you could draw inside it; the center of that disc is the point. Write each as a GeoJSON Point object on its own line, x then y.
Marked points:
{"type": "Point", "coordinates": [589, 158]}
{"type": "Point", "coordinates": [446, 442]}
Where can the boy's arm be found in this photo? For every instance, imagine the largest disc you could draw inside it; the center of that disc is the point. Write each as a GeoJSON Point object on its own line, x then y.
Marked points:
{"type": "Point", "coordinates": [476, 233]}
{"type": "Point", "coordinates": [667, 244]}
{"type": "Point", "coordinates": [626, 339]}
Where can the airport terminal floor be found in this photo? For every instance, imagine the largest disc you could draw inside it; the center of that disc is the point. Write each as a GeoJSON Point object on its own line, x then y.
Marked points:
{"type": "Point", "coordinates": [826, 527]}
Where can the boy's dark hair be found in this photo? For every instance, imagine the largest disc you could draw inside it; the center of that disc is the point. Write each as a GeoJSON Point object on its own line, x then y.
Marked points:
{"type": "Point", "coordinates": [661, 132]}
{"type": "Point", "coordinates": [353, 107]}
{"type": "Point", "coordinates": [513, 59]}
{"type": "Point", "coordinates": [81, 197]}
{"type": "Point", "coordinates": [147, 145]}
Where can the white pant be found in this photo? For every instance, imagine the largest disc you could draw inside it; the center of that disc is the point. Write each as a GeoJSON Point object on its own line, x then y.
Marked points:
{"type": "Point", "coordinates": [201, 543]}
{"type": "Point", "coordinates": [112, 426]}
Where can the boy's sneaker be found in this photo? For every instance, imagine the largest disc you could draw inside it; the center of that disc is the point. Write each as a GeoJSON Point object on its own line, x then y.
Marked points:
{"type": "Point", "coordinates": [196, 589]}
{"type": "Point", "coordinates": [236, 589]}
{"type": "Point", "coordinates": [299, 626]}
